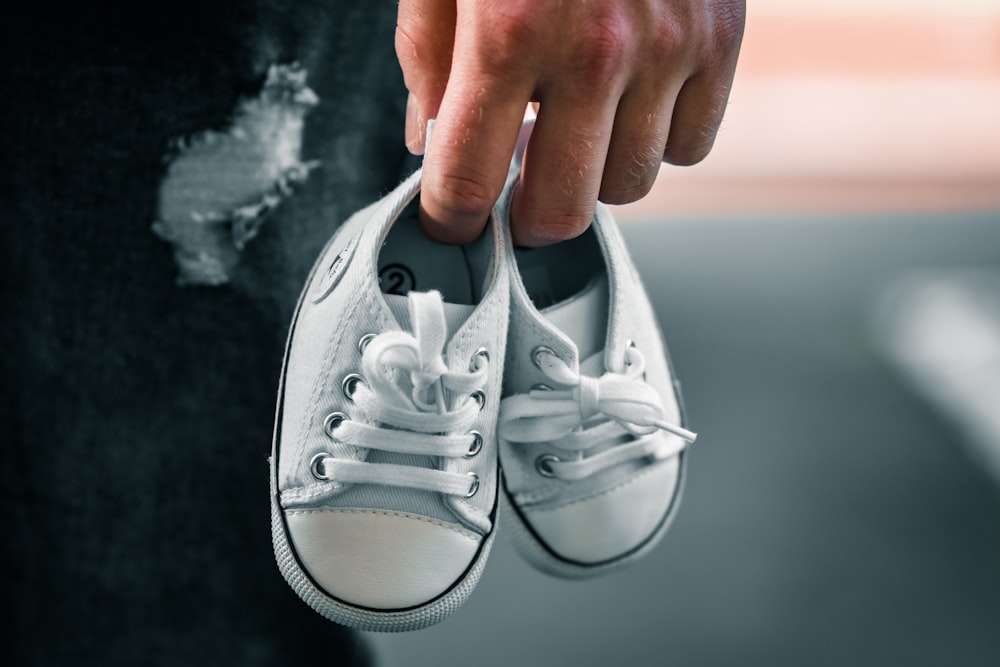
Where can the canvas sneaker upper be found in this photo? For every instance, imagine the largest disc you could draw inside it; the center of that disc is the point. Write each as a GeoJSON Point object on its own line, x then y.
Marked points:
{"type": "Point", "coordinates": [384, 467]}
{"type": "Point", "coordinates": [592, 443]}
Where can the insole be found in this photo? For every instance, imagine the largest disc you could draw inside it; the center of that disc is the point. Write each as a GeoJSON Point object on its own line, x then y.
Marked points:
{"type": "Point", "coordinates": [554, 273]}
{"type": "Point", "coordinates": [409, 261]}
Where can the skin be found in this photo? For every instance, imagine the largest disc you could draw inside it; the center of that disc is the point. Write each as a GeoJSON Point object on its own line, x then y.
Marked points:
{"type": "Point", "coordinates": [618, 85]}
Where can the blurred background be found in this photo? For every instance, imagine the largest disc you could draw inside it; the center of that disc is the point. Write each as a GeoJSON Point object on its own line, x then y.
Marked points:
{"type": "Point", "coordinates": [829, 284]}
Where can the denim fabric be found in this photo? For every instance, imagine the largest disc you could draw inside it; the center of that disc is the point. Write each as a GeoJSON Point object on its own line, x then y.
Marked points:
{"type": "Point", "coordinates": [137, 414]}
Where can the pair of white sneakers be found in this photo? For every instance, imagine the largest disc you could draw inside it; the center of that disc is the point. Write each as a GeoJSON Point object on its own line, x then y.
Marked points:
{"type": "Point", "coordinates": [416, 372]}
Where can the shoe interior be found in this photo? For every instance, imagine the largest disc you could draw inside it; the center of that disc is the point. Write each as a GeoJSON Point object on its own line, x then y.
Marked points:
{"type": "Point", "coordinates": [555, 273]}
{"type": "Point", "coordinates": [409, 261]}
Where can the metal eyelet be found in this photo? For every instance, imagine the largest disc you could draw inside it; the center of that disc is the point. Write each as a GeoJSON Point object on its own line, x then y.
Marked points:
{"type": "Point", "coordinates": [363, 343]}
{"type": "Point", "coordinates": [332, 421]}
{"type": "Point", "coordinates": [629, 343]}
{"type": "Point", "coordinates": [475, 485]}
{"type": "Point", "coordinates": [350, 385]}
{"type": "Point", "coordinates": [536, 354]}
{"type": "Point", "coordinates": [482, 356]}
{"type": "Point", "coordinates": [543, 464]}
{"type": "Point", "coordinates": [477, 444]}
{"type": "Point", "coordinates": [479, 397]}
{"type": "Point", "coordinates": [316, 466]}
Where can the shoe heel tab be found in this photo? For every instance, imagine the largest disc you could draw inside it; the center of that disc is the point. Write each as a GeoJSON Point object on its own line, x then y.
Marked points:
{"type": "Point", "coordinates": [522, 142]}
{"type": "Point", "coordinates": [427, 137]}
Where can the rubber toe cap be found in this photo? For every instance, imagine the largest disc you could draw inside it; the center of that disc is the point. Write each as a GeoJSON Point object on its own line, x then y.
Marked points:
{"type": "Point", "coordinates": [381, 560]}
{"type": "Point", "coordinates": [609, 525]}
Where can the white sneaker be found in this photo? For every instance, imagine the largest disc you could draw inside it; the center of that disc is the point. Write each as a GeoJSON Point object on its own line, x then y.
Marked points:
{"type": "Point", "coordinates": [591, 446]}
{"type": "Point", "coordinates": [384, 464]}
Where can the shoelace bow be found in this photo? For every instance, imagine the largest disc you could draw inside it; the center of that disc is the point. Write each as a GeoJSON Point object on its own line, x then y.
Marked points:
{"type": "Point", "coordinates": [416, 406]}
{"type": "Point", "coordinates": [589, 413]}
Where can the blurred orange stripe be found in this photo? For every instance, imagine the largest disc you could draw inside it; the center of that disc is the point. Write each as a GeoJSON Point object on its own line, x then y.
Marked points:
{"type": "Point", "coordinates": [870, 46]}
{"type": "Point", "coordinates": [675, 198]}
{"type": "Point", "coordinates": [845, 113]}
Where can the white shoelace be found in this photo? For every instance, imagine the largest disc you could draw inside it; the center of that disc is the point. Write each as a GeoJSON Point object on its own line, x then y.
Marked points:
{"type": "Point", "coordinates": [417, 404]}
{"type": "Point", "coordinates": [591, 412]}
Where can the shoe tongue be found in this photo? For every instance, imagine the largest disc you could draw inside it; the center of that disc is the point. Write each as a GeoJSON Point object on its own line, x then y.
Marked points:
{"type": "Point", "coordinates": [593, 366]}
{"type": "Point", "coordinates": [584, 317]}
{"type": "Point", "coordinates": [455, 314]}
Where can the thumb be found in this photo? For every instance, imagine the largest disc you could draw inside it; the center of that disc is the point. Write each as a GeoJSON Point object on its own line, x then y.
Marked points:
{"type": "Point", "coordinates": [425, 38]}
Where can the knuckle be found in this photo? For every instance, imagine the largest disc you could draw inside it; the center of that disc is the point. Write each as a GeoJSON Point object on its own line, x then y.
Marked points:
{"type": "Point", "coordinates": [691, 143]}
{"type": "Point", "coordinates": [707, 36]}
{"type": "Point", "coordinates": [511, 35]}
{"type": "Point", "coordinates": [415, 53]}
{"type": "Point", "coordinates": [626, 193]}
{"type": "Point", "coordinates": [728, 20]}
{"type": "Point", "coordinates": [630, 179]}
{"type": "Point", "coordinates": [685, 154]}
{"type": "Point", "coordinates": [605, 44]}
{"type": "Point", "coordinates": [668, 39]}
{"type": "Point", "coordinates": [409, 49]}
{"type": "Point", "coordinates": [461, 195]}
{"type": "Point", "coordinates": [422, 38]}
{"type": "Point", "coordinates": [724, 35]}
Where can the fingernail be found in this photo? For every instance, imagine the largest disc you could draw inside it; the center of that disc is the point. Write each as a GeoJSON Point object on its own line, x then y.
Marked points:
{"type": "Point", "coordinates": [414, 127]}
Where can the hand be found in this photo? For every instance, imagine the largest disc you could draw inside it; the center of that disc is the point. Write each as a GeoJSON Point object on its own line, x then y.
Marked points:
{"type": "Point", "coordinates": [620, 85]}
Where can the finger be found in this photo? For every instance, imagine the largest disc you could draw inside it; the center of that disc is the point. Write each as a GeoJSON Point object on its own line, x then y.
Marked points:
{"type": "Point", "coordinates": [474, 137]}
{"type": "Point", "coordinates": [562, 170]}
{"type": "Point", "coordinates": [638, 140]}
{"type": "Point", "coordinates": [697, 116]}
{"type": "Point", "coordinates": [701, 103]}
{"type": "Point", "coordinates": [425, 31]}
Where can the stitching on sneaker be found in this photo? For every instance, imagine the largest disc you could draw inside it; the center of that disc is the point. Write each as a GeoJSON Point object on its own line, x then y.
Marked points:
{"type": "Point", "coordinates": [320, 390]}
{"type": "Point", "coordinates": [403, 515]}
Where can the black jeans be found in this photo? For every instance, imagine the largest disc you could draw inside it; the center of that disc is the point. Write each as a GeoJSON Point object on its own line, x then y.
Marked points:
{"type": "Point", "coordinates": [137, 414]}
